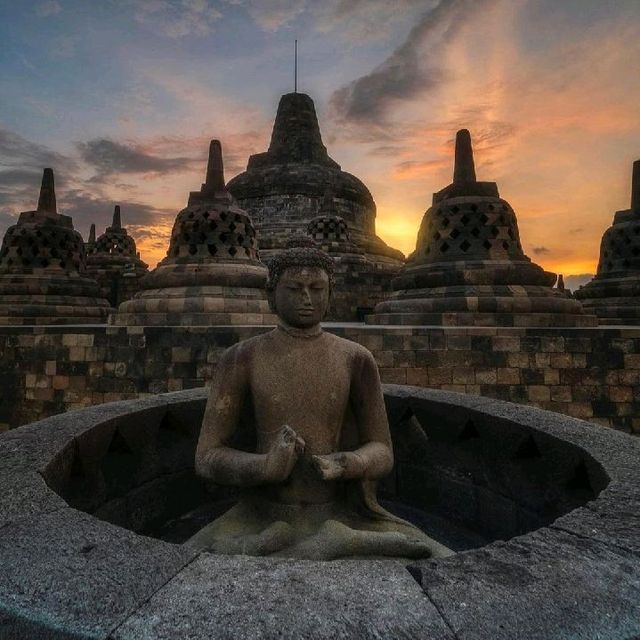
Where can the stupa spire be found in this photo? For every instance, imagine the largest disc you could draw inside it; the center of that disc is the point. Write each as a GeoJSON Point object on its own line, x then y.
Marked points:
{"type": "Point", "coordinates": [117, 223]}
{"type": "Point", "coordinates": [464, 169]}
{"type": "Point", "coordinates": [635, 187]}
{"type": "Point", "coordinates": [215, 169]}
{"type": "Point", "coordinates": [92, 234]}
{"type": "Point", "coordinates": [47, 199]}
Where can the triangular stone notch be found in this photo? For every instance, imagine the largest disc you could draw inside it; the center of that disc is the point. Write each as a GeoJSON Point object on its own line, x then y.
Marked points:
{"type": "Point", "coordinates": [527, 450]}
{"type": "Point", "coordinates": [580, 480]}
{"type": "Point", "coordinates": [469, 431]}
{"type": "Point", "coordinates": [118, 444]}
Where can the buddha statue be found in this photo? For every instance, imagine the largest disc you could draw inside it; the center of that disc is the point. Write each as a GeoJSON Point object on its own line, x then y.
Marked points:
{"type": "Point", "coordinates": [308, 408]}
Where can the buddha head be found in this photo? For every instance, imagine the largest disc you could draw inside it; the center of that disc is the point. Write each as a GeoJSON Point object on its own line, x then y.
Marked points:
{"type": "Point", "coordinates": [299, 286]}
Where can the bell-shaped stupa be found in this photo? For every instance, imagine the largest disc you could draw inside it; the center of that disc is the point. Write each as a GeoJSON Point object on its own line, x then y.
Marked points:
{"type": "Point", "coordinates": [614, 293]}
{"type": "Point", "coordinates": [469, 268]}
{"type": "Point", "coordinates": [43, 276]}
{"type": "Point", "coordinates": [359, 283]}
{"type": "Point", "coordinates": [283, 188]}
{"type": "Point", "coordinates": [114, 262]}
{"type": "Point", "coordinates": [212, 274]}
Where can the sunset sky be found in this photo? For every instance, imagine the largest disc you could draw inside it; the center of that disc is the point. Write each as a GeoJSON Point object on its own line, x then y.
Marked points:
{"type": "Point", "coordinates": [121, 98]}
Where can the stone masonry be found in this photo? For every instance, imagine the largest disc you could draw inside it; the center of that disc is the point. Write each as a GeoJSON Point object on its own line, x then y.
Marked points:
{"type": "Point", "coordinates": [590, 373]}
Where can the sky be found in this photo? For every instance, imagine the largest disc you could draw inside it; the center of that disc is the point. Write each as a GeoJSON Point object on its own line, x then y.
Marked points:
{"type": "Point", "coordinates": [121, 98]}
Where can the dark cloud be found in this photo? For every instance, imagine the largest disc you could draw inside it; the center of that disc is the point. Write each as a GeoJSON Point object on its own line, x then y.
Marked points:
{"type": "Point", "coordinates": [575, 282]}
{"type": "Point", "coordinates": [541, 251]}
{"type": "Point", "coordinates": [18, 153]}
{"type": "Point", "coordinates": [114, 157]}
{"type": "Point", "coordinates": [414, 67]}
{"type": "Point", "coordinates": [86, 208]}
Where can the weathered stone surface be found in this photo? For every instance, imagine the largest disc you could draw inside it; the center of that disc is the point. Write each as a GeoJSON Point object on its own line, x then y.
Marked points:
{"type": "Point", "coordinates": [43, 278]}
{"type": "Point", "coordinates": [68, 575]}
{"type": "Point", "coordinates": [68, 571]}
{"type": "Point", "coordinates": [239, 597]}
{"type": "Point", "coordinates": [469, 267]}
{"type": "Point", "coordinates": [212, 274]}
{"type": "Point", "coordinates": [548, 584]}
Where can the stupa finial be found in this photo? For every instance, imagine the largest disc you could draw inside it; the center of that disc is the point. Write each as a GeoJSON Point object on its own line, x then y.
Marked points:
{"type": "Point", "coordinates": [117, 222]}
{"type": "Point", "coordinates": [464, 169]}
{"type": "Point", "coordinates": [635, 187]}
{"type": "Point", "coordinates": [215, 169]}
{"type": "Point", "coordinates": [47, 199]}
{"type": "Point", "coordinates": [92, 234]}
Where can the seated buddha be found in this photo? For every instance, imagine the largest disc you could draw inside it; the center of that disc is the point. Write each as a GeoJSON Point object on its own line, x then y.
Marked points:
{"type": "Point", "coordinates": [320, 435]}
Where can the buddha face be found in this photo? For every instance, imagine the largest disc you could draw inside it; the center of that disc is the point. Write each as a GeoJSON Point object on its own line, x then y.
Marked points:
{"type": "Point", "coordinates": [302, 296]}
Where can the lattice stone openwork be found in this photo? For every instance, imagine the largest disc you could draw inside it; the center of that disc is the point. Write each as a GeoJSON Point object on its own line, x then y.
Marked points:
{"type": "Point", "coordinates": [31, 247]}
{"type": "Point", "coordinates": [614, 294]}
{"type": "Point", "coordinates": [211, 274]}
{"type": "Point", "coordinates": [202, 231]}
{"type": "Point", "coordinates": [43, 277]}
{"type": "Point", "coordinates": [469, 268]}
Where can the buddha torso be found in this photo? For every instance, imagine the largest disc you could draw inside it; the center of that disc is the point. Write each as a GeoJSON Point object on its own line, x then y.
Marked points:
{"type": "Point", "coordinates": [303, 382]}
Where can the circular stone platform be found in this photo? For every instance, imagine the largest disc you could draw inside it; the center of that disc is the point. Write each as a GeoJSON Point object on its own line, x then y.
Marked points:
{"type": "Point", "coordinates": [557, 498]}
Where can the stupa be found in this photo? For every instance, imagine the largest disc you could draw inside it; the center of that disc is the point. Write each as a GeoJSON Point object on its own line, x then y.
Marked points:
{"type": "Point", "coordinates": [43, 277]}
{"type": "Point", "coordinates": [114, 262]}
{"type": "Point", "coordinates": [212, 274]}
{"type": "Point", "coordinates": [614, 294]}
{"type": "Point", "coordinates": [469, 267]}
{"type": "Point", "coordinates": [359, 283]}
{"type": "Point", "coordinates": [283, 188]}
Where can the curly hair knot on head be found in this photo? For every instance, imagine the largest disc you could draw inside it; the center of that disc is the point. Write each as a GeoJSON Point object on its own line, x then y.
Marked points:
{"type": "Point", "coordinates": [299, 257]}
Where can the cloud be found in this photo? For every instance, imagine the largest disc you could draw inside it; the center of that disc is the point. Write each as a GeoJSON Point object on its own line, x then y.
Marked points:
{"type": "Point", "coordinates": [415, 67]}
{"type": "Point", "coordinates": [575, 282]}
{"type": "Point", "coordinates": [111, 157]}
{"type": "Point", "coordinates": [271, 15]}
{"type": "Point", "coordinates": [63, 47]}
{"type": "Point", "coordinates": [176, 18]}
{"type": "Point", "coordinates": [357, 21]}
{"type": "Point", "coordinates": [541, 251]}
{"type": "Point", "coordinates": [48, 8]}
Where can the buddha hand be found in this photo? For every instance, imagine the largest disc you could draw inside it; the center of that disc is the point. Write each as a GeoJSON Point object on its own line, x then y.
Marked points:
{"type": "Point", "coordinates": [283, 454]}
{"type": "Point", "coordinates": [335, 466]}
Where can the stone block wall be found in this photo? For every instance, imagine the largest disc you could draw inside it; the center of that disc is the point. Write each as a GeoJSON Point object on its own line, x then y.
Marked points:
{"type": "Point", "coordinates": [590, 373]}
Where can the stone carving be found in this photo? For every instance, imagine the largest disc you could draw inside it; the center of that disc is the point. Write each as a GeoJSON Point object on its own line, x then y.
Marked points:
{"type": "Point", "coordinates": [114, 262]}
{"type": "Point", "coordinates": [212, 273]}
{"type": "Point", "coordinates": [614, 294]}
{"type": "Point", "coordinates": [283, 190]}
{"type": "Point", "coordinates": [469, 267]}
{"type": "Point", "coordinates": [43, 277]}
{"type": "Point", "coordinates": [296, 418]}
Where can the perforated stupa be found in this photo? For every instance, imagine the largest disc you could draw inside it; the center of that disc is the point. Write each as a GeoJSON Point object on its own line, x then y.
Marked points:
{"type": "Point", "coordinates": [43, 276]}
{"type": "Point", "coordinates": [114, 262]}
{"type": "Point", "coordinates": [469, 267]}
{"type": "Point", "coordinates": [212, 274]}
{"type": "Point", "coordinates": [614, 294]}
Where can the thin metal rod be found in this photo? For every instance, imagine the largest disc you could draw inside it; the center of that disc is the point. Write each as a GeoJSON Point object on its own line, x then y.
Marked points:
{"type": "Point", "coordinates": [295, 69]}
